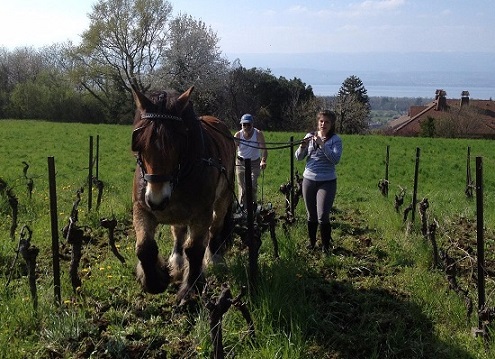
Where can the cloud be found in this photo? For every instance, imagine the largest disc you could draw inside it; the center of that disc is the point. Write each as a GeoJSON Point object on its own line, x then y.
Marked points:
{"type": "Point", "coordinates": [381, 4]}
{"type": "Point", "coordinates": [354, 10]}
{"type": "Point", "coordinates": [298, 9]}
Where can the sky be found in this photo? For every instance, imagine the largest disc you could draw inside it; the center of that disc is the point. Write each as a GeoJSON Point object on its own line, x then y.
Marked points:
{"type": "Point", "coordinates": [285, 26]}
{"type": "Point", "coordinates": [300, 33]}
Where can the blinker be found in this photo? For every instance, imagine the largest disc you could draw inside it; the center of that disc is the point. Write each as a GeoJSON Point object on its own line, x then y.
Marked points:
{"type": "Point", "coordinates": [134, 141]}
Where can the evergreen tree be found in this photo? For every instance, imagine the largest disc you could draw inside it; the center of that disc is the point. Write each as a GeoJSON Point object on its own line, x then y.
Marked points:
{"type": "Point", "coordinates": [352, 106]}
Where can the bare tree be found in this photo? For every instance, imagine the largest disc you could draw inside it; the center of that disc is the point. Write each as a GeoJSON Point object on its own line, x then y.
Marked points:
{"type": "Point", "coordinates": [20, 65]}
{"type": "Point", "coordinates": [459, 122]}
{"type": "Point", "coordinates": [192, 54]}
{"type": "Point", "coordinates": [193, 57]}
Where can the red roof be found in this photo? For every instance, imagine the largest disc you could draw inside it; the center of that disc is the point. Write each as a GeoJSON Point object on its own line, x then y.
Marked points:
{"type": "Point", "coordinates": [475, 118]}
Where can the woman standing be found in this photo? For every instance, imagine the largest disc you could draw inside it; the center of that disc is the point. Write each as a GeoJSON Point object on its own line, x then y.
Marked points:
{"type": "Point", "coordinates": [322, 150]}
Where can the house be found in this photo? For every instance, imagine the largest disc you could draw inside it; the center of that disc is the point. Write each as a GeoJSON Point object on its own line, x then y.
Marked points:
{"type": "Point", "coordinates": [462, 117]}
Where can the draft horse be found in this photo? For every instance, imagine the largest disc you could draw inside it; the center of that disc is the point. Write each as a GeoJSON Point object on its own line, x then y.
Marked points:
{"type": "Point", "coordinates": [184, 177]}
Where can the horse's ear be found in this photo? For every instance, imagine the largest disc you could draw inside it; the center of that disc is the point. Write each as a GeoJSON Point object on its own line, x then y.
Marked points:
{"type": "Point", "coordinates": [142, 102]}
{"type": "Point", "coordinates": [183, 99]}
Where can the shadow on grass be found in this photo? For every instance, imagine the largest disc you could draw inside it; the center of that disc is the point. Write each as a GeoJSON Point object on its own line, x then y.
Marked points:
{"type": "Point", "coordinates": [338, 320]}
{"type": "Point", "coordinates": [381, 323]}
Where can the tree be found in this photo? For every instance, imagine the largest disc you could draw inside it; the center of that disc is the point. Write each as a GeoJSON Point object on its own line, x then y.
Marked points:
{"type": "Point", "coordinates": [125, 43]}
{"type": "Point", "coordinates": [301, 106]}
{"type": "Point", "coordinates": [459, 123]}
{"type": "Point", "coordinates": [18, 66]}
{"type": "Point", "coordinates": [428, 127]}
{"type": "Point", "coordinates": [277, 103]}
{"type": "Point", "coordinates": [194, 58]}
{"type": "Point", "coordinates": [352, 106]}
{"type": "Point", "coordinates": [244, 95]}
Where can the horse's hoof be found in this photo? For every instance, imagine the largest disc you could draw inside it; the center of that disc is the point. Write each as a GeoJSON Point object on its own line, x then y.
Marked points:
{"type": "Point", "coordinates": [187, 303]}
{"type": "Point", "coordinates": [153, 281]}
{"type": "Point", "coordinates": [213, 259]}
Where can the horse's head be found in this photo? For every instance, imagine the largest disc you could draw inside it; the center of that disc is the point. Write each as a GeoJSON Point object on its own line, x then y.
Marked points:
{"type": "Point", "coordinates": [159, 140]}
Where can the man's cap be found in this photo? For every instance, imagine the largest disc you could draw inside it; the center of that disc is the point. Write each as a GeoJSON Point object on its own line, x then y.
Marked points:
{"type": "Point", "coordinates": [247, 118]}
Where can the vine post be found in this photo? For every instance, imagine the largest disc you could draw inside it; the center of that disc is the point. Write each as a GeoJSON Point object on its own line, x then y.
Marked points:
{"type": "Point", "coordinates": [480, 239]}
{"type": "Point", "coordinates": [387, 161]}
{"type": "Point", "coordinates": [54, 228]}
{"type": "Point", "coordinates": [291, 148]}
{"type": "Point", "coordinates": [97, 158]}
{"type": "Point", "coordinates": [90, 174]}
{"type": "Point", "coordinates": [415, 191]}
{"type": "Point", "coordinates": [383, 183]}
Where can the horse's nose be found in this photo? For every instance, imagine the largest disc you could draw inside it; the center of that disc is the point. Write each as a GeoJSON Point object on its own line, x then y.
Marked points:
{"type": "Point", "coordinates": [158, 196]}
{"type": "Point", "coordinates": [158, 207]}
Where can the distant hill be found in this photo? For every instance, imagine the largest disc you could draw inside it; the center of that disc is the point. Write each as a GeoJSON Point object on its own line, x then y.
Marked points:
{"type": "Point", "coordinates": [375, 61]}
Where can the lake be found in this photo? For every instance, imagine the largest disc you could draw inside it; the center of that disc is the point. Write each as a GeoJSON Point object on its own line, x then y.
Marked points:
{"type": "Point", "coordinates": [483, 93]}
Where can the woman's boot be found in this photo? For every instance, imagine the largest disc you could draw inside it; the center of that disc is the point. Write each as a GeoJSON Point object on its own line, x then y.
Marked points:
{"type": "Point", "coordinates": [312, 230]}
{"type": "Point", "coordinates": [326, 237]}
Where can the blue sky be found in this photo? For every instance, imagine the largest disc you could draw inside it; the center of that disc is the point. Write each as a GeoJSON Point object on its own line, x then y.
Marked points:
{"type": "Point", "coordinates": [286, 26]}
{"type": "Point", "coordinates": [319, 41]}
{"type": "Point", "coordinates": [348, 26]}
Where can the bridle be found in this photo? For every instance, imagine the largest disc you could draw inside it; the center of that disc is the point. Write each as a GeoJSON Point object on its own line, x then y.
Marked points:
{"type": "Point", "coordinates": [154, 178]}
{"type": "Point", "coordinates": [181, 171]}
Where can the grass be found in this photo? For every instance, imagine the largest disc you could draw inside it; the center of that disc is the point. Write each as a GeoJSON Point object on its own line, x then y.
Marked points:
{"type": "Point", "coordinates": [376, 297]}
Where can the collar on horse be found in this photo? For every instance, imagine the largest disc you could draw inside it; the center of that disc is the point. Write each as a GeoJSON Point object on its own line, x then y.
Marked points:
{"type": "Point", "coordinates": [180, 172]}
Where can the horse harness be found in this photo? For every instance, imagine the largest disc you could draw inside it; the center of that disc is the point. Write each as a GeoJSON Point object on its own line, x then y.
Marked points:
{"type": "Point", "coordinates": [181, 171]}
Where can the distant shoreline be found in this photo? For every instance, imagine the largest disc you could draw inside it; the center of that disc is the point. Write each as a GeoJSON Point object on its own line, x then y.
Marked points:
{"type": "Point", "coordinates": [482, 93]}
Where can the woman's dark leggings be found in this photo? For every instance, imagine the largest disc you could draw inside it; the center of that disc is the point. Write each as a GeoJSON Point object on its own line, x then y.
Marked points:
{"type": "Point", "coordinates": [318, 197]}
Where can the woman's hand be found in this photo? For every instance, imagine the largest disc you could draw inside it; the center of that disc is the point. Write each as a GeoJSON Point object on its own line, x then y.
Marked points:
{"type": "Point", "coordinates": [319, 140]}
{"type": "Point", "coordinates": [305, 141]}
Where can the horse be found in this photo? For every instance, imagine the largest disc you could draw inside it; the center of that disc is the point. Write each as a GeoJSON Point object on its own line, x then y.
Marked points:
{"type": "Point", "coordinates": [184, 178]}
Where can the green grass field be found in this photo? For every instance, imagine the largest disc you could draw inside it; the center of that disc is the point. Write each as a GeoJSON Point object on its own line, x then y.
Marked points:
{"type": "Point", "coordinates": [377, 296]}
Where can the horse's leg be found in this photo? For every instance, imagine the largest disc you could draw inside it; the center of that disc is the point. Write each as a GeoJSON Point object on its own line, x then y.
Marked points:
{"type": "Point", "coordinates": [218, 235]}
{"type": "Point", "coordinates": [151, 271]}
{"type": "Point", "coordinates": [221, 228]}
{"type": "Point", "coordinates": [194, 250]}
{"type": "Point", "coordinates": [176, 259]}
